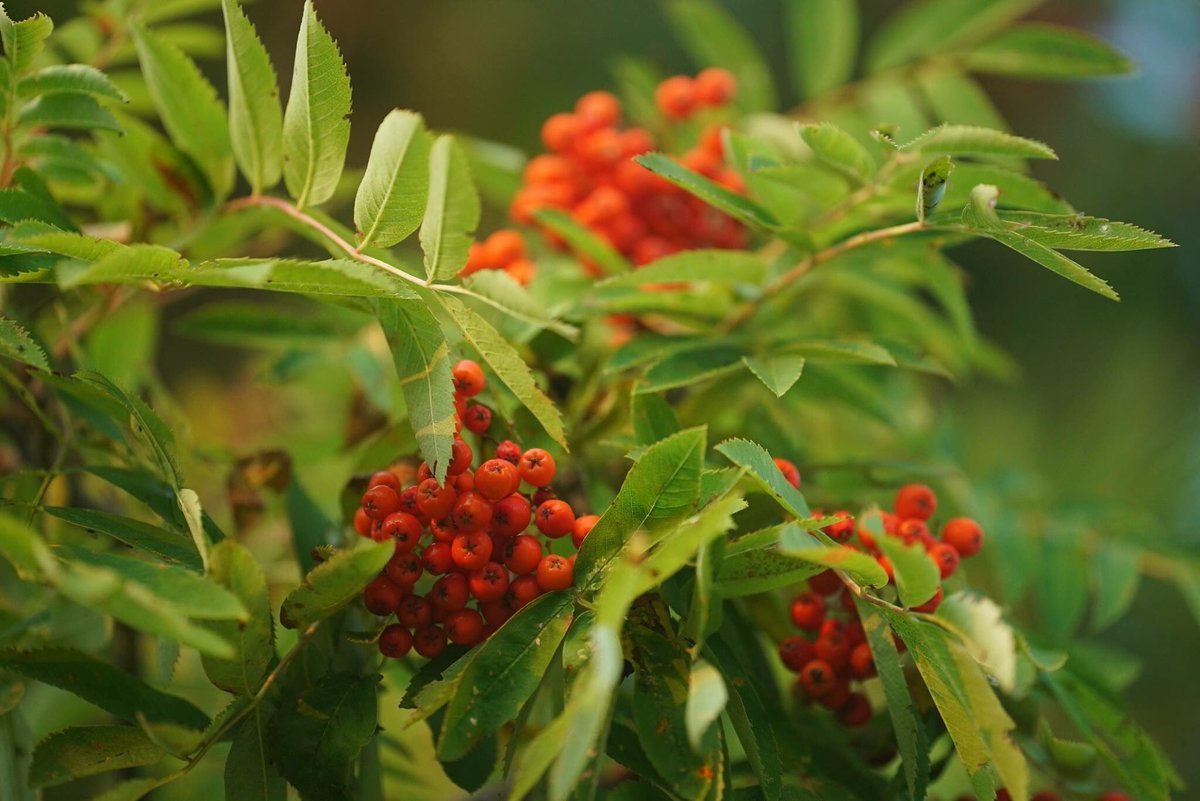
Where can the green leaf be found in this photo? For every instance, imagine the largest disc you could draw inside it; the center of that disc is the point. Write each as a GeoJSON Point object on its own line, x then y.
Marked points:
{"type": "Point", "coordinates": [451, 213]}
{"type": "Point", "coordinates": [23, 40]}
{"type": "Point", "coordinates": [971, 140]}
{"type": "Point", "coordinates": [762, 569]}
{"type": "Point", "coordinates": [88, 750]}
{"type": "Point", "coordinates": [917, 576]}
{"type": "Point", "coordinates": [754, 724]}
{"type": "Point", "coordinates": [934, 26]}
{"type": "Point", "coordinates": [316, 128]}
{"type": "Point", "coordinates": [1047, 52]}
{"type": "Point", "coordinates": [333, 583]}
{"type": "Point", "coordinates": [498, 289]}
{"type": "Point", "coordinates": [1078, 232]}
{"type": "Point", "coordinates": [678, 546]}
{"type": "Point", "coordinates": [189, 108]}
{"type": "Point", "coordinates": [127, 264]}
{"type": "Point", "coordinates": [911, 737]}
{"type": "Point", "coordinates": [422, 360]}
{"type": "Point", "coordinates": [1062, 586]}
{"type": "Point", "coordinates": [17, 205]}
{"type": "Point", "coordinates": [132, 790]}
{"type": "Point", "coordinates": [169, 546]}
{"type": "Point", "coordinates": [15, 343]}
{"type": "Point", "coordinates": [760, 466]}
{"type": "Point", "coordinates": [956, 98]}
{"type": "Point", "coordinates": [249, 774]}
{"type": "Point", "coordinates": [706, 700]}
{"type": "Point", "coordinates": [507, 364]}
{"type": "Point", "coordinates": [155, 493]}
{"type": "Point", "coordinates": [232, 566]}
{"type": "Point", "coordinates": [583, 241]}
{"type": "Point", "coordinates": [652, 417]}
{"type": "Point", "coordinates": [503, 672]}
{"type": "Point", "coordinates": [315, 738]}
{"type": "Point", "coordinates": [980, 215]}
{"type": "Point", "coordinates": [717, 266]}
{"type": "Point", "coordinates": [932, 188]}
{"type": "Point", "coordinates": [742, 209]}
{"type": "Point", "coordinates": [839, 150]}
{"type": "Point", "coordinates": [25, 550]}
{"type": "Point", "coordinates": [256, 325]}
{"type": "Point", "coordinates": [691, 367]}
{"type": "Point", "coordinates": [336, 277]}
{"type": "Point", "coordinates": [103, 685]}
{"type": "Point", "coordinates": [778, 372]}
{"type": "Point", "coordinates": [823, 40]}
{"type": "Point", "coordinates": [1116, 574]}
{"type": "Point", "coordinates": [862, 568]}
{"type": "Point", "coordinates": [255, 115]}
{"type": "Point", "coordinates": [391, 198]}
{"type": "Point", "coordinates": [311, 527]}
{"type": "Point", "coordinates": [73, 78]}
{"type": "Point", "coordinates": [713, 37]}
{"type": "Point", "coordinates": [69, 110]}
{"type": "Point", "coordinates": [661, 488]}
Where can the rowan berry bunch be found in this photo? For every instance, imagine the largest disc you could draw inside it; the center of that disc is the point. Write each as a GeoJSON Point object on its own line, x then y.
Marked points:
{"type": "Point", "coordinates": [472, 532]}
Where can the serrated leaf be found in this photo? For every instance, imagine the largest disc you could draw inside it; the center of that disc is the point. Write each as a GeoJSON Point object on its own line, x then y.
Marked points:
{"type": "Point", "coordinates": [68, 110]}
{"type": "Point", "coordinates": [316, 128]}
{"type": "Point", "coordinates": [189, 108]}
{"type": "Point", "coordinates": [99, 683]}
{"type": "Point", "coordinates": [763, 569]}
{"type": "Point", "coordinates": [1048, 52]}
{"type": "Point", "coordinates": [17, 205]}
{"type": "Point", "coordinates": [800, 544]}
{"type": "Point", "coordinates": [1079, 232]}
{"type": "Point", "coordinates": [391, 199]}
{"type": "Point", "coordinates": [760, 466]}
{"type": "Point", "coordinates": [917, 576]}
{"type": "Point", "coordinates": [169, 546]}
{"type": "Point", "coordinates": [751, 720]}
{"type": "Point", "coordinates": [583, 241]}
{"type": "Point", "coordinates": [717, 266]}
{"type": "Point", "coordinates": [255, 115]}
{"type": "Point", "coordinates": [422, 360]}
{"type": "Point", "coordinates": [232, 566]}
{"type": "Point", "coordinates": [315, 738]}
{"type": "Point", "coordinates": [88, 750]}
{"type": "Point", "coordinates": [503, 673]}
{"type": "Point", "coordinates": [498, 289]}
{"type": "Point", "coordinates": [24, 39]}
{"type": "Point", "coordinates": [972, 140]}
{"type": "Point", "coordinates": [16, 343]}
{"type": "Point", "coordinates": [147, 427]}
{"type": "Point", "coordinates": [155, 493]}
{"type": "Point", "coordinates": [706, 700]}
{"type": "Point", "coordinates": [65, 243]}
{"type": "Point", "coordinates": [507, 364]}
{"type": "Point", "coordinates": [933, 26]}
{"type": "Point", "coordinates": [839, 150]}
{"type": "Point", "coordinates": [128, 264]}
{"type": "Point", "coordinates": [249, 773]}
{"type": "Point", "coordinates": [980, 215]}
{"type": "Point", "coordinates": [661, 488]}
{"type": "Point", "coordinates": [741, 208]}
{"type": "Point", "coordinates": [778, 372]}
{"type": "Point", "coordinates": [333, 583]}
{"type": "Point", "coordinates": [73, 78]}
{"type": "Point", "coordinates": [932, 188]}
{"type": "Point", "coordinates": [823, 40]}
{"type": "Point", "coordinates": [451, 213]}
{"type": "Point", "coordinates": [336, 277]}
{"type": "Point", "coordinates": [713, 37]}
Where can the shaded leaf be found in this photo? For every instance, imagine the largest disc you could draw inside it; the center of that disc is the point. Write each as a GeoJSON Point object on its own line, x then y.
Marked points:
{"type": "Point", "coordinates": [823, 39]}
{"type": "Point", "coordinates": [16, 343]}
{"type": "Point", "coordinates": [169, 546]}
{"type": "Point", "coordinates": [391, 198]}
{"type": "Point", "coordinates": [971, 140]}
{"type": "Point", "coordinates": [255, 115]}
{"type": "Point", "coordinates": [451, 213]}
{"type": "Point", "coordinates": [741, 208]}
{"type": "Point", "coordinates": [583, 240]}
{"type": "Point", "coordinates": [333, 583]}
{"type": "Point", "coordinates": [249, 773]}
{"type": "Point", "coordinates": [1042, 51]}
{"type": "Point", "coordinates": [232, 566]}
{"type": "Point", "coordinates": [88, 750]}
{"type": "Point", "coordinates": [839, 150]}
{"type": "Point", "coordinates": [713, 37]}
{"type": "Point", "coordinates": [778, 372]}
{"type": "Point", "coordinates": [761, 467]}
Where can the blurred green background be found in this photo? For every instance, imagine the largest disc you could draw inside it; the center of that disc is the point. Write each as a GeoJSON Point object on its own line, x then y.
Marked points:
{"type": "Point", "coordinates": [1107, 408]}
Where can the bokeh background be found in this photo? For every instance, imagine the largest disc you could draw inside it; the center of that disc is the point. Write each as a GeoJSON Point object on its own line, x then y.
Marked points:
{"type": "Point", "coordinates": [1107, 407]}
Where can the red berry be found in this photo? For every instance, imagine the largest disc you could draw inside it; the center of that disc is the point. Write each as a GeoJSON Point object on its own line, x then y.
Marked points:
{"type": "Point", "coordinates": [496, 612]}
{"type": "Point", "coordinates": [549, 168]}
{"type": "Point", "coordinates": [796, 652]}
{"type": "Point", "coordinates": [415, 612]}
{"type": "Point", "coordinates": [842, 530]}
{"type": "Point", "coordinates": [537, 467]}
{"type": "Point", "coordinates": [490, 582]}
{"type": "Point", "coordinates": [932, 604]}
{"type": "Point", "coordinates": [464, 482]}
{"type": "Point", "coordinates": [385, 478]}
{"type": "Point", "coordinates": [379, 502]}
{"type": "Point", "coordinates": [465, 626]}
{"type": "Point", "coordinates": [1113, 795]}
{"type": "Point", "coordinates": [555, 572]}
{"type": "Point", "coordinates": [856, 711]}
{"type": "Point", "coordinates": [444, 530]}
{"type": "Point", "coordinates": [522, 590]}
{"type": "Point", "coordinates": [834, 649]}
{"type": "Point", "coordinates": [478, 418]}
{"type": "Point", "coordinates": [555, 519]}
{"type": "Point", "coordinates": [471, 551]}
{"type": "Point", "coordinates": [915, 500]}
{"type": "Point", "coordinates": [817, 678]}
{"type": "Point", "coordinates": [509, 451]}
{"type": "Point", "coordinates": [382, 596]}
{"type": "Point", "coordinates": [913, 531]}
{"type": "Point", "coordinates": [560, 132]}
{"type": "Point", "coordinates": [511, 515]}
{"type": "Point", "coordinates": [675, 97]}
{"type": "Point", "coordinates": [963, 535]}
{"type": "Point", "coordinates": [437, 558]}
{"type": "Point", "coordinates": [451, 592]}
{"type": "Point", "coordinates": [472, 512]}
{"type": "Point", "coordinates": [404, 568]}
{"type": "Point", "coordinates": [790, 472]}
{"type": "Point", "coordinates": [827, 582]}
{"type": "Point", "coordinates": [395, 641]}
{"type": "Point", "coordinates": [523, 554]}
{"type": "Point", "coordinates": [403, 528]}
{"type": "Point", "coordinates": [434, 500]}
{"type": "Point", "coordinates": [1047, 795]}
{"type": "Point", "coordinates": [363, 522]}
{"type": "Point", "coordinates": [583, 526]}
{"type": "Point", "coordinates": [838, 695]}
{"type": "Point", "coordinates": [429, 641]}
{"type": "Point", "coordinates": [500, 249]}
{"type": "Point", "coordinates": [409, 505]}
{"type": "Point", "coordinates": [599, 108]}
{"type": "Point", "coordinates": [468, 378]}
{"type": "Point", "coordinates": [830, 626]}
{"type": "Point", "coordinates": [460, 458]}
{"type": "Point", "coordinates": [808, 610]}
{"type": "Point", "coordinates": [544, 494]}
{"type": "Point", "coordinates": [497, 478]}
{"type": "Point", "coordinates": [946, 558]}
{"type": "Point", "coordinates": [862, 661]}
{"type": "Point", "coordinates": [715, 87]}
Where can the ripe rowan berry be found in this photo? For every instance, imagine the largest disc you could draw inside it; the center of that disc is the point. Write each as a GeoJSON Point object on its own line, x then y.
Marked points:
{"type": "Point", "coordinates": [808, 611]}
{"type": "Point", "coordinates": [838, 695]}
{"type": "Point", "coordinates": [796, 652]}
{"type": "Point", "coordinates": [886, 564]}
{"type": "Point", "coordinates": [946, 558]}
{"type": "Point", "coordinates": [583, 526]}
{"type": "Point", "coordinates": [496, 479]}
{"type": "Point", "coordinates": [522, 271]}
{"type": "Point", "coordinates": [548, 168]}
{"type": "Point", "coordinates": [833, 649]}
{"type": "Point", "coordinates": [471, 551]}
{"type": "Point", "coordinates": [490, 582]}
{"type": "Point", "coordinates": [363, 522]}
{"type": "Point", "coordinates": [511, 515]}
{"type": "Point", "coordinates": [385, 478]}
{"type": "Point", "coordinates": [1046, 795]}
{"type": "Point", "coordinates": [790, 472]}
{"type": "Point", "coordinates": [912, 531]}
{"type": "Point", "coordinates": [856, 711]}
{"type": "Point", "coordinates": [826, 582]}
{"type": "Point", "coordinates": [932, 604]}
{"type": "Point", "coordinates": [915, 500]}
{"type": "Point", "coordinates": [600, 149]}
{"type": "Point", "coordinates": [461, 457]}
{"type": "Point", "coordinates": [854, 631]}
{"type": "Point", "coordinates": [380, 501]}
{"type": "Point", "coordinates": [403, 529]}
{"type": "Point", "coordinates": [522, 590]}
{"type": "Point", "coordinates": [963, 535]}
{"type": "Point", "coordinates": [444, 530]}
{"type": "Point", "coordinates": [465, 626]}
{"type": "Point", "coordinates": [842, 530]}
{"type": "Point", "coordinates": [478, 418]}
{"type": "Point", "coordinates": [537, 467]}
{"type": "Point", "coordinates": [635, 142]}
{"type": "Point", "coordinates": [496, 612]}
{"type": "Point", "coordinates": [437, 558]}
{"type": "Point", "coordinates": [715, 87]}
{"type": "Point", "coordinates": [404, 568]}
{"type": "Point", "coordinates": [862, 661]}
{"type": "Point", "coordinates": [675, 97]}
{"type": "Point", "coordinates": [555, 572]}
{"type": "Point", "coordinates": [560, 132]}
{"type": "Point", "coordinates": [830, 626]}
{"type": "Point", "coordinates": [523, 554]}
{"type": "Point", "coordinates": [382, 596]}
{"type": "Point", "coordinates": [469, 379]}
{"type": "Point", "coordinates": [451, 592]}
{"type": "Point", "coordinates": [544, 494]}
{"type": "Point", "coordinates": [817, 678]}
{"type": "Point", "coordinates": [434, 500]}
{"type": "Point", "coordinates": [395, 641]}
{"type": "Point", "coordinates": [409, 505]}
{"type": "Point", "coordinates": [429, 641]}
{"type": "Point", "coordinates": [555, 519]}
{"type": "Point", "coordinates": [415, 612]}
{"type": "Point", "coordinates": [599, 108]}
{"type": "Point", "coordinates": [472, 512]}
{"type": "Point", "coordinates": [500, 249]}
{"type": "Point", "coordinates": [713, 140]}
{"type": "Point", "coordinates": [509, 451]}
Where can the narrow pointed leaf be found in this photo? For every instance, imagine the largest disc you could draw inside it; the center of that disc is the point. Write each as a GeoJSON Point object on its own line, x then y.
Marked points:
{"type": "Point", "coordinates": [391, 198]}
{"type": "Point", "coordinates": [583, 241]}
{"type": "Point", "coordinates": [170, 546]}
{"type": "Point", "coordinates": [232, 566]}
{"type": "Point", "coordinates": [451, 212]}
{"type": "Point", "coordinates": [823, 39]}
{"type": "Point", "coordinates": [78, 78]}
{"type": "Point", "coordinates": [1047, 52]}
{"type": "Point", "coordinates": [333, 583]}
{"type": "Point", "coordinates": [1078, 232]}
{"type": "Point", "coordinates": [15, 343]}
{"type": "Point", "coordinates": [839, 150]}
{"type": "Point", "coordinates": [737, 206]}
{"type": "Point", "coordinates": [971, 140]}
{"type": "Point", "coordinates": [255, 113]}
{"type": "Point", "coordinates": [88, 750]}
{"type": "Point", "coordinates": [761, 468]}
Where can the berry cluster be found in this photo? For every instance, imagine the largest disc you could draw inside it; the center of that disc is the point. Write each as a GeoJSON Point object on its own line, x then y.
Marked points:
{"type": "Point", "coordinates": [589, 172]}
{"type": "Point", "coordinates": [470, 532]}
{"type": "Point", "coordinates": [502, 250]}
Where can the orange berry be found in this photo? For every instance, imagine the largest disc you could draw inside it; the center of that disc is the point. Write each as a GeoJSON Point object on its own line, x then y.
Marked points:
{"type": "Point", "coordinates": [503, 247]}
{"type": "Point", "coordinates": [560, 132]}
{"type": "Point", "coordinates": [715, 87]}
{"type": "Point", "coordinates": [599, 108]}
{"type": "Point", "coordinates": [676, 97]}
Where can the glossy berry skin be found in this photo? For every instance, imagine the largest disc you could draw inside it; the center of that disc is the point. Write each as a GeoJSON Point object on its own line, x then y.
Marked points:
{"type": "Point", "coordinates": [385, 478]}
{"type": "Point", "coordinates": [437, 558]}
{"type": "Point", "coordinates": [395, 641]}
{"type": "Point", "coordinates": [363, 522]}
{"type": "Point", "coordinates": [856, 711]}
{"type": "Point", "coordinates": [429, 641]}
{"type": "Point", "coordinates": [817, 678]}
{"type": "Point", "coordinates": [415, 612]}
{"type": "Point", "coordinates": [468, 378]}
{"type": "Point", "coordinates": [409, 505]}
{"type": "Point", "coordinates": [946, 558]}
{"type": "Point", "coordinates": [912, 531]}
{"type": "Point", "coordinates": [380, 501]}
{"type": "Point", "coordinates": [537, 467]}
{"type": "Point", "coordinates": [522, 590]}
{"type": "Point", "coordinates": [675, 97]}
{"type": "Point", "coordinates": [511, 515]}
{"type": "Point", "coordinates": [404, 569]}
{"type": "Point", "coordinates": [583, 526]}
{"type": "Point", "coordinates": [555, 572]}
{"type": "Point", "coordinates": [544, 494]}
{"type": "Point", "coordinates": [555, 519]}
{"type": "Point", "coordinates": [599, 109]}
{"type": "Point", "coordinates": [790, 472]}
{"type": "Point", "coordinates": [509, 451]}
{"type": "Point", "coordinates": [496, 479]}
{"type": "Point", "coordinates": [465, 627]}
{"type": "Point", "coordinates": [451, 592]}
{"type": "Point", "coordinates": [382, 596]}
{"type": "Point", "coordinates": [434, 500]}
{"type": "Point", "coordinates": [523, 554]}
{"type": "Point", "coordinates": [715, 87]}
{"type": "Point", "coordinates": [460, 458]}
{"type": "Point", "coordinates": [842, 530]}
{"type": "Point", "coordinates": [796, 652]}
{"type": "Point", "coordinates": [862, 662]}
{"type": "Point", "coordinates": [472, 512]}
{"type": "Point", "coordinates": [808, 611]}
{"type": "Point", "coordinates": [930, 606]}
{"type": "Point", "coordinates": [561, 131]}
{"type": "Point", "coordinates": [471, 551]}
{"type": "Point", "coordinates": [490, 582]}
{"type": "Point", "coordinates": [917, 501]}
{"type": "Point", "coordinates": [825, 583]}
{"type": "Point", "coordinates": [403, 529]}
{"type": "Point", "coordinates": [963, 535]}
{"type": "Point", "coordinates": [478, 418]}
{"type": "Point", "coordinates": [496, 612]}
